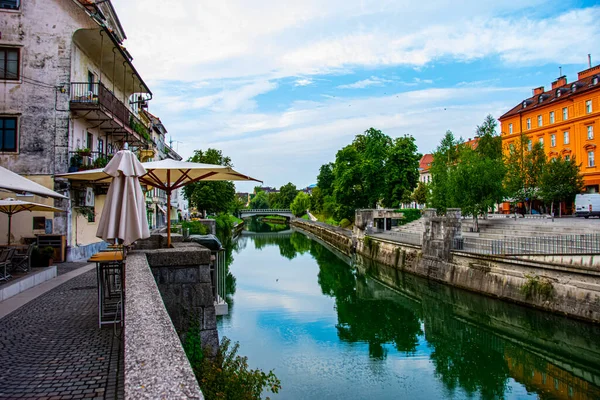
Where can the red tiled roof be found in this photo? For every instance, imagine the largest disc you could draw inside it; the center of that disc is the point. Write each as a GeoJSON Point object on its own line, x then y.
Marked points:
{"type": "Point", "coordinates": [548, 97]}
{"type": "Point", "coordinates": [425, 162]}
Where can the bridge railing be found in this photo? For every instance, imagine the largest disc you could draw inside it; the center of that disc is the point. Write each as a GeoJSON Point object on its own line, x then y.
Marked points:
{"type": "Point", "coordinates": [565, 244]}
{"type": "Point", "coordinates": [264, 210]}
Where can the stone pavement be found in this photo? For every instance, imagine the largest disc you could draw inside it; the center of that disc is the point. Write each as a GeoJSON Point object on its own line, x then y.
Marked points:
{"type": "Point", "coordinates": [52, 347]}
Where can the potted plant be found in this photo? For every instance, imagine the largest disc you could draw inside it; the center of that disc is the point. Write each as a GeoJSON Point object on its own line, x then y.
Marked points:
{"type": "Point", "coordinates": [100, 162]}
{"type": "Point", "coordinates": [48, 255]}
{"type": "Point", "coordinates": [85, 152]}
{"type": "Point", "coordinates": [75, 163]}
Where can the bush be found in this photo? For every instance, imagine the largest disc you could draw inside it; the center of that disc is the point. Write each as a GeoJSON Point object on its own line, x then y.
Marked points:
{"type": "Point", "coordinates": [195, 227]}
{"type": "Point", "coordinates": [345, 223]}
{"type": "Point", "coordinates": [227, 376]}
{"type": "Point", "coordinates": [410, 215]}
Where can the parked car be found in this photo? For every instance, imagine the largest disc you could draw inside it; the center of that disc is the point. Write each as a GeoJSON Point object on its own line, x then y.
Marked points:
{"type": "Point", "coordinates": [587, 205]}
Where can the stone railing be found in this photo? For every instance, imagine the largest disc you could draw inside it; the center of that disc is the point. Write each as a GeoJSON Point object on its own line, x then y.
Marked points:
{"type": "Point", "coordinates": [156, 366]}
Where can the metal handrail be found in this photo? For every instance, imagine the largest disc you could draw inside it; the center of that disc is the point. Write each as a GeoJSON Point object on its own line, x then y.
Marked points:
{"type": "Point", "coordinates": [564, 244]}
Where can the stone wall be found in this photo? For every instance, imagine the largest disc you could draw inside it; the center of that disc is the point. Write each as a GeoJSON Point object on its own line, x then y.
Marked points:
{"type": "Point", "coordinates": [155, 363]}
{"type": "Point", "coordinates": [573, 290]}
{"type": "Point", "coordinates": [338, 240]}
{"type": "Point", "coordinates": [183, 278]}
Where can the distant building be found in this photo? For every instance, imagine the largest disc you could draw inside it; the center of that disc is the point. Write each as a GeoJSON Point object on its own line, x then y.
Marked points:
{"type": "Point", "coordinates": [424, 166]}
{"type": "Point", "coordinates": [309, 188]}
{"type": "Point", "coordinates": [268, 189]}
{"type": "Point", "coordinates": [565, 120]}
{"type": "Point", "coordinates": [245, 197]}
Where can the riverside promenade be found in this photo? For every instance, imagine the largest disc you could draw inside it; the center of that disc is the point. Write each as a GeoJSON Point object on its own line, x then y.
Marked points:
{"type": "Point", "coordinates": [52, 348]}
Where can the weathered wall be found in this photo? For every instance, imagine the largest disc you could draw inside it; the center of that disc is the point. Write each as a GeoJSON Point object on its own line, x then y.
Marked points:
{"type": "Point", "coordinates": [341, 242]}
{"type": "Point", "coordinates": [183, 278]}
{"type": "Point", "coordinates": [567, 289]}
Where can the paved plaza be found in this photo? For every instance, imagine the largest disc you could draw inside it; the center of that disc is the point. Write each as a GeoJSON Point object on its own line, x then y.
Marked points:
{"type": "Point", "coordinates": [52, 347]}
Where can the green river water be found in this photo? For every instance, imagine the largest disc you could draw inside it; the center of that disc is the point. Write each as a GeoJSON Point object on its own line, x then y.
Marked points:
{"type": "Point", "coordinates": [338, 328]}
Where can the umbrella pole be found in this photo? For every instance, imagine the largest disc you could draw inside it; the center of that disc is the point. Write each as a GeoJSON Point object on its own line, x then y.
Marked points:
{"type": "Point", "coordinates": [9, 223]}
{"type": "Point", "coordinates": [168, 218]}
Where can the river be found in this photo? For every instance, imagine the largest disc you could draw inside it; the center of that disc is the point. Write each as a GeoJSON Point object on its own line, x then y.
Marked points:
{"type": "Point", "coordinates": [335, 328]}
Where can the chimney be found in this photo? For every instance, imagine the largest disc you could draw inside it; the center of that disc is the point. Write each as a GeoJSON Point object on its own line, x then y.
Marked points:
{"type": "Point", "coordinates": [538, 90]}
{"type": "Point", "coordinates": [588, 72]}
{"type": "Point", "coordinates": [560, 81]}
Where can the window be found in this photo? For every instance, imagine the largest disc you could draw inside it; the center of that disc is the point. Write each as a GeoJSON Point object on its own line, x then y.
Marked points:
{"type": "Point", "coordinates": [573, 87]}
{"type": "Point", "coordinates": [539, 120]}
{"type": "Point", "coordinates": [551, 117]}
{"type": "Point", "coordinates": [590, 131]}
{"type": "Point", "coordinates": [528, 145]}
{"type": "Point", "coordinates": [100, 146]}
{"type": "Point", "coordinates": [565, 114]}
{"type": "Point", "coordinates": [542, 141]}
{"type": "Point", "coordinates": [8, 134]}
{"type": "Point", "coordinates": [566, 137]}
{"type": "Point", "coordinates": [595, 80]}
{"type": "Point", "coordinates": [553, 140]}
{"type": "Point", "coordinates": [9, 4]}
{"type": "Point", "coordinates": [39, 223]}
{"type": "Point", "coordinates": [558, 92]}
{"type": "Point", "coordinates": [510, 128]}
{"type": "Point", "coordinates": [524, 103]}
{"type": "Point", "coordinates": [567, 158]}
{"type": "Point", "coordinates": [528, 123]}
{"type": "Point", "coordinates": [591, 159]}
{"type": "Point", "coordinates": [588, 107]}
{"type": "Point", "coordinates": [9, 63]}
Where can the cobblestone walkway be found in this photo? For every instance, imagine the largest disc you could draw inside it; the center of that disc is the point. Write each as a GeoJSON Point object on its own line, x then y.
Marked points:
{"type": "Point", "coordinates": [52, 347]}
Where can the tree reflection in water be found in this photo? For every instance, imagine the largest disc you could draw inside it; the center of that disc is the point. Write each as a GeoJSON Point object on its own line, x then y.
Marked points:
{"type": "Point", "coordinates": [476, 344]}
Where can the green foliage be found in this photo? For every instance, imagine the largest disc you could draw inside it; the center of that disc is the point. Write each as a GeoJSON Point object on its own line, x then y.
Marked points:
{"type": "Point", "coordinates": [325, 179]}
{"type": "Point", "coordinates": [210, 196]}
{"type": "Point", "coordinates": [259, 202]}
{"type": "Point", "coordinates": [300, 204]}
{"type": "Point", "coordinates": [524, 170]}
{"type": "Point", "coordinates": [368, 241]}
{"type": "Point", "coordinates": [306, 217]}
{"type": "Point", "coordinates": [195, 227]}
{"type": "Point", "coordinates": [410, 215]}
{"type": "Point", "coordinates": [444, 157]}
{"type": "Point", "coordinates": [224, 225]}
{"type": "Point", "coordinates": [287, 194]}
{"type": "Point", "coordinates": [316, 200]}
{"type": "Point", "coordinates": [535, 285]}
{"type": "Point", "coordinates": [421, 193]}
{"type": "Point", "coordinates": [401, 173]}
{"type": "Point", "coordinates": [227, 376]}
{"type": "Point", "coordinates": [47, 252]}
{"type": "Point", "coordinates": [560, 181]}
{"type": "Point", "coordinates": [139, 128]}
{"type": "Point", "coordinates": [345, 223]}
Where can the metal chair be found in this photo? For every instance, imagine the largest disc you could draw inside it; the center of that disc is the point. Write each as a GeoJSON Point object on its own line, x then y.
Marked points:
{"type": "Point", "coordinates": [5, 261]}
{"type": "Point", "coordinates": [22, 262]}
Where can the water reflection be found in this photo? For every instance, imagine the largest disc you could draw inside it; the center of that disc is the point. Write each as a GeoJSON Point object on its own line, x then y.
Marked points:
{"type": "Point", "coordinates": [402, 335]}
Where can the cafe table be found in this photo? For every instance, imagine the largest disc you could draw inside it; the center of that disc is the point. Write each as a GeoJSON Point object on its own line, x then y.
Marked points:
{"type": "Point", "coordinates": [111, 282]}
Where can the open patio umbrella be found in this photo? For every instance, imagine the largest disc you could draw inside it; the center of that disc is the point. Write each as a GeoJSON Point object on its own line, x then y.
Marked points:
{"type": "Point", "coordinates": [11, 207]}
{"type": "Point", "coordinates": [124, 212]}
{"type": "Point", "coordinates": [18, 184]}
{"type": "Point", "coordinates": [169, 175]}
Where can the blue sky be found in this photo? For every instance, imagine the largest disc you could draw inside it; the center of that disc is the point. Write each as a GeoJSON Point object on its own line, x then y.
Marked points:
{"type": "Point", "coordinates": [281, 86]}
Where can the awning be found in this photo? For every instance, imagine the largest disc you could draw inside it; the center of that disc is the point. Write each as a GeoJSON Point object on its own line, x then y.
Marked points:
{"type": "Point", "coordinates": [162, 209]}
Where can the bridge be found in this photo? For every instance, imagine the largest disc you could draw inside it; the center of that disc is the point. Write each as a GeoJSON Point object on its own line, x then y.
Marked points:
{"type": "Point", "coordinates": [251, 213]}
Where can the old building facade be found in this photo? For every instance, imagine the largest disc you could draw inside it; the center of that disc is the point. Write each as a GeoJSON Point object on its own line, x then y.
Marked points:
{"type": "Point", "coordinates": [70, 97]}
{"type": "Point", "coordinates": [564, 119]}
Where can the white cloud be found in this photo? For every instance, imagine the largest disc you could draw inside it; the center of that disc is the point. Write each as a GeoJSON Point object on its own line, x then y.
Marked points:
{"type": "Point", "coordinates": [372, 81]}
{"type": "Point", "coordinates": [303, 82]}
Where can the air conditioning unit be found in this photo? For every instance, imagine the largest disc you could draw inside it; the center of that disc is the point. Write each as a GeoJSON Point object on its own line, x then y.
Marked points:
{"type": "Point", "coordinates": [89, 197]}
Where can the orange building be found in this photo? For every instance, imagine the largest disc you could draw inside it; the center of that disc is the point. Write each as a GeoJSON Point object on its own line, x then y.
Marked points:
{"type": "Point", "coordinates": [565, 119]}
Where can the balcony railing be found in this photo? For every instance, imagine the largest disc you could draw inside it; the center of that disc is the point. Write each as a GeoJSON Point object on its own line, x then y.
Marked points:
{"type": "Point", "coordinates": [79, 161]}
{"type": "Point", "coordinates": [85, 96]}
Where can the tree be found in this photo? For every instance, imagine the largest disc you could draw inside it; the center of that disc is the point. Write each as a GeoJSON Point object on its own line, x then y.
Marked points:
{"type": "Point", "coordinates": [401, 171]}
{"type": "Point", "coordinates": [524, 167]}
{"type": "Point", "coordinates": [373, 148]}
{"type": "Point", "coordinates": [300, 204]}
{"type": "Point", "coordinates": [316, 200]}
{"type": "Point", "coordinates": [211, 196]}
{"type": "Point", "coordinates": [560, 181]}
{"type": "Point", "coordinates": [421, 193]}
{"type": "Point", "coordinates": [347, 185]}
{"type": "Point", "coordinates": [260, 201]}
{"type": "Point", "coordinates": [325, 179]}
{"type": "Point", "coordinates": [444, 158]}
{"type": "Point", "coordinates": [287, 194]}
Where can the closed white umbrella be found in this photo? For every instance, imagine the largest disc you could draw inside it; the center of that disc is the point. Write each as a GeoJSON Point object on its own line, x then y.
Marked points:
{"type": "Point", "coordinates": [124, 212]}
{"type": "Point", "coordinates": [11, 207]}
{"type": "Point", "coordinates": [18, 184]}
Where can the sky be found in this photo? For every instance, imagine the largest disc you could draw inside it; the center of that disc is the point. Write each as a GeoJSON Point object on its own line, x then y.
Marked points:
{"type": "Point", "coordinates": [281, 86]}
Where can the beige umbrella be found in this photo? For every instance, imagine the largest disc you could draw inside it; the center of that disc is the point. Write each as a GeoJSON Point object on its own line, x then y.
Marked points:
{"type": "Point", "coordinates": [16, 183]}
{"type": "Point", "coordinates": [11, 207]}
{"type": "Point", "coordinates": [124, 212]}
{"type": "Point", "coordinates": [169, 175]}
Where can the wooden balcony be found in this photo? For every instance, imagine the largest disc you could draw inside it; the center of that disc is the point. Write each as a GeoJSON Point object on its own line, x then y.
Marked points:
{"type": "Point", "coordinates": [97, 104]}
